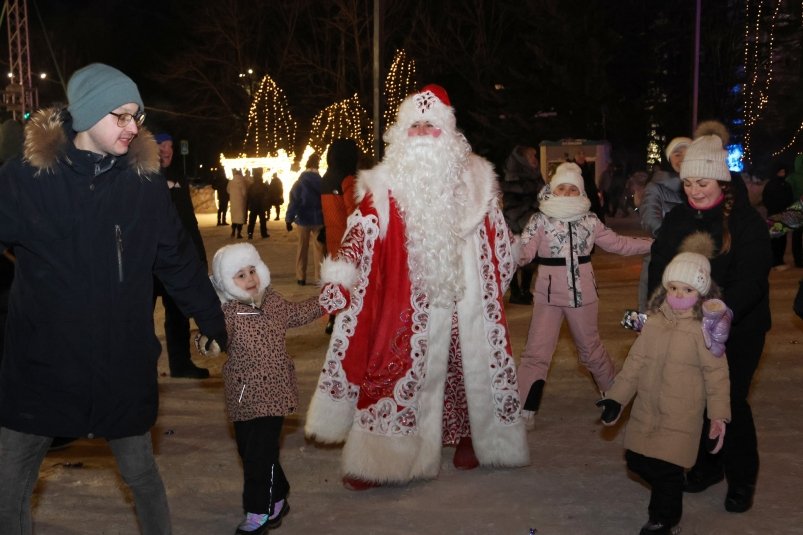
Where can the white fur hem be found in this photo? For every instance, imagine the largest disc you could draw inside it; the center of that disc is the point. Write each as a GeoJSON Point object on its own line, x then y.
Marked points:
{"type": "Point", "coordinates": [328, 421]}
{"type": "Point", "coordinates": [385, 459]}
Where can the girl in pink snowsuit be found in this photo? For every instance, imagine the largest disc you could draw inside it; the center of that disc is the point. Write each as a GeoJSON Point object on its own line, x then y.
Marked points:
{"type": "Point", "coordinates": [562, 236]}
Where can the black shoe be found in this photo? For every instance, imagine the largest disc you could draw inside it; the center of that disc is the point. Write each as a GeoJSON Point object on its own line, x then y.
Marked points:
{"type": "Point", "coordinates": [250, 236]}
{"type": "Point", "coordinates": [191, 371]}
{"type": "Point", "coordinates": [658, 528]}
{"type": "Point", "coordinates": [301, 282]}
{"type": "Point", "coordinates": [274, 523]}
{"type": "Point", "coordinates": [739, 498]}
{"type": "Point", "coordinates": [533, 402]}
{"type": "Point", "coordinates": [698, 481]}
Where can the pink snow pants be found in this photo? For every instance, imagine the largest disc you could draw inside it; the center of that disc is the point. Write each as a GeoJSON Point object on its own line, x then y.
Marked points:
{"type": "Point", "coordinates": [542, 339]}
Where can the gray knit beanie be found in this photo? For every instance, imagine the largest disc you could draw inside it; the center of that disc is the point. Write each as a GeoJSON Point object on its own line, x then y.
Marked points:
{"type": "Point", "coordinates": [96, 90]}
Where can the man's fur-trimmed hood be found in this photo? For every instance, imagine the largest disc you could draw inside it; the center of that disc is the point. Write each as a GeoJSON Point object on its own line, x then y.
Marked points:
{"type": "Point", "coordinates": [47, 141]}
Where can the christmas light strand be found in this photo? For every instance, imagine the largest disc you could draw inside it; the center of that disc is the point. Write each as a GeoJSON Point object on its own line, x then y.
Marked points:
{"type": "Point", "coordinates": [399, 83]}
{"type": "Point", "coordinates": [270, 125]}
{"type": "Point", "coordinates": [344, 119]}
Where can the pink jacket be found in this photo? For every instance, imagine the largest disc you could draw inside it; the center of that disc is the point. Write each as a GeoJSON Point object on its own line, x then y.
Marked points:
{"type": "Point", "coordinates": [565, 276]}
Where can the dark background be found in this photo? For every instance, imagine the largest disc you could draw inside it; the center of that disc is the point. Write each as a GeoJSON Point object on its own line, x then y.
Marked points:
{"type": "Point", "coordinates": [517, 71]}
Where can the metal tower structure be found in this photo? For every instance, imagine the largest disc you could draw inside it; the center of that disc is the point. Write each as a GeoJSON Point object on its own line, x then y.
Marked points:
{"type": "Point", "coordinates": [19, 97]}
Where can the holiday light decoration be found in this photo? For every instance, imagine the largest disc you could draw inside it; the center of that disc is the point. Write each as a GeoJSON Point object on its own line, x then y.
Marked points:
{"type": "Point", "coordinates": [399, 83]}
{"type": "Point", "coordinates": [282, 165]}
{"type": "Point", "coordinates": [791, 142]}
{"type": "Point", "coordinates": [758, 70]}
{"type": "Point", "coordinates": [271, 127]}
{"type": "Point", "coordinates": [344, 119]}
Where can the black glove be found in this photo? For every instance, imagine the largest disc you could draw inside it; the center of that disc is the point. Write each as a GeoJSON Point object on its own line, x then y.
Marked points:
{"type": "Point", "coordinates": [610, 410]}
{"type": "Point", "coordinates": [222, 339]}
{"type": "Point", "coordinates": [289, 227]}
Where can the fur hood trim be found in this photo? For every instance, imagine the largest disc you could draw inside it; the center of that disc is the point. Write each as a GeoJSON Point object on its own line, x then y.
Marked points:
{"type": "Point", "coordinates": [47, 141]}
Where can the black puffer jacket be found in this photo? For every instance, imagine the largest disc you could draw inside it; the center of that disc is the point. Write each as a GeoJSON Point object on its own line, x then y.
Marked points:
{"type": "Point", "coordinates": [742, 273]}
{"type": "Point", "coordinates": [89, 234]}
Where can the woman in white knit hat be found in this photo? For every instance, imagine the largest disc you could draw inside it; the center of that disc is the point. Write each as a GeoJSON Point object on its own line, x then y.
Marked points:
{"type": "Point", "coordinates": [561, 234]}
{"type": "Point", "coordinates": [676, 371]}
{"type": "Point", "coordinates": [741, 264]}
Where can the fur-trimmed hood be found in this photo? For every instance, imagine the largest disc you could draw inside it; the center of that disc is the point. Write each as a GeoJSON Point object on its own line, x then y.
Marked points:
{"type": "Point", "coordinates": [48, 137]}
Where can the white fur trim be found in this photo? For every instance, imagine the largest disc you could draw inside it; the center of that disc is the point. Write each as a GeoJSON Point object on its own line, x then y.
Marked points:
{"type": "Point", "coordinates": [376, 182]}
{"type": "Point", "coordinates": [340, 272]}
{"type": "Point", "coordinates": [482, 189]}
{"type": "Point", "coordinates": [390, 459]}
{"type": "Point", "coordinates": [328, 420]}
{"type": "Point", "coordinates": [230, 259]}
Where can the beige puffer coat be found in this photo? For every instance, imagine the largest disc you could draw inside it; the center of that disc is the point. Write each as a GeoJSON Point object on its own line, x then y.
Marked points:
{"type": "Point", "coordinates": [674, 378]}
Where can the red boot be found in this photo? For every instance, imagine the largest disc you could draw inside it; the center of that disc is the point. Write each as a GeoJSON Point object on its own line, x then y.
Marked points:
{"type": "Point", "coordinates": [353, 483]}
{"type": "Point", "coordinates": [464, 457]}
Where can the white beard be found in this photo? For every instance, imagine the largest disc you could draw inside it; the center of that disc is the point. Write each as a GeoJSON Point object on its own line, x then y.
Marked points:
{"type": "Point", "coordinates": [426, 174]}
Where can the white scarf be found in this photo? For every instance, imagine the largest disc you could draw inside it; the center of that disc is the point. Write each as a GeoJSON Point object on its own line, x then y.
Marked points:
{"type": "Point", "coordinates": [563, 208]}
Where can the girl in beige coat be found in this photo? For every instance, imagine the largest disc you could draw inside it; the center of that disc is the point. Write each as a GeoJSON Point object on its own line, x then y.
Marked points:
{"type": "Point", "coordinates": [674, 376]}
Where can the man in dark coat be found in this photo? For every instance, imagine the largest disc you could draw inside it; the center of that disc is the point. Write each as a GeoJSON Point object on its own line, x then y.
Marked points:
{"type": "Point", "coordinates": [257, 199]}
{"type": "Point", "coordinates": [90, 221]}
{"type": "Point", "coordinates": [177, 325]}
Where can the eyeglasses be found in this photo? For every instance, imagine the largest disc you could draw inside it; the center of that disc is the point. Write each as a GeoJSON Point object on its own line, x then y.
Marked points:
{"type": "Point", "coordinates": [124, 118]}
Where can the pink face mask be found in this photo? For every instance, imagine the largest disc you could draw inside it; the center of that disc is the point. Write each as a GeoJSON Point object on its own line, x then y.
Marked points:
{"type": "Point", "coordinates": [682, 303]}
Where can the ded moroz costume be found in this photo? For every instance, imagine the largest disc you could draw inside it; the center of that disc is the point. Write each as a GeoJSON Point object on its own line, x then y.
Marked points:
{"type": "Point", "coordinates": [420, 355]}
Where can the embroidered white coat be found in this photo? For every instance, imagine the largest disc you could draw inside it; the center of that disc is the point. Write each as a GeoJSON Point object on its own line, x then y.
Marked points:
{"type": "Point", "coordinates": [401, 378]}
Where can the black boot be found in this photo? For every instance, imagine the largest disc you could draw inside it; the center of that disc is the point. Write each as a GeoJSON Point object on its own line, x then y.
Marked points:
{"type": "Point", "coordinates": [533, 402]}
{"type": "Point", "coordinates": [739, 498]}
{"type": "Point", "coordinates": [233, 228]}
{"type": "Point", "coordinates": [188, 370]}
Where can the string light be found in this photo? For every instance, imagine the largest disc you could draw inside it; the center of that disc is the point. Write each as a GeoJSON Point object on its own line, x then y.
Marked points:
{"type": "Point", "coordinates": [756, 93]}
{"type": "Point", "coordinates": [271, 127]}
{"type": "Point", "coordinates": [344, 119]}
{"type": "Point", "coordinates": [399, 83]}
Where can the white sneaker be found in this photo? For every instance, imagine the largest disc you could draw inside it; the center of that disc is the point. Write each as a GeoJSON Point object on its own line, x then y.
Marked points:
{"type": "Point", "coordinates": [529, 419]}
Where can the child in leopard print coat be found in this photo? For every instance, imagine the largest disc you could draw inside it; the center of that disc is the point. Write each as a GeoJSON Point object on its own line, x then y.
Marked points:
{"type": "Point", "coordinates": [259, 376]}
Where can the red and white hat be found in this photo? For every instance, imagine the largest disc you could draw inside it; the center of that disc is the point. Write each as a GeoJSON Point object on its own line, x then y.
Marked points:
{"type": "Point", "coordinates": [430, 104]}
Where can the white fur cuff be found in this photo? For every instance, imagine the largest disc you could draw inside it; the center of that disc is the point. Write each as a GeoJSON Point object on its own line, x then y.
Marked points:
{"type": "Point", "coordinates": [339, 272]}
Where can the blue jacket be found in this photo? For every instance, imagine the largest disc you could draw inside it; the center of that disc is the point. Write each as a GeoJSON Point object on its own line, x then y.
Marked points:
{"type": "Point", "coordinates": [305, 201]}
{"type": "Point", "coordinates": [89, 234]}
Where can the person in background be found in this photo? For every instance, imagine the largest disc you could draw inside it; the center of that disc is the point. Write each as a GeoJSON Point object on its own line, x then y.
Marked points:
{"type": "Point", "coordinates": [259, 377]}
{"type": "Point", "coordinates": [238, 194]}
{"type": "Point", "coordinates": [176, 324]}
{"type": "Point", "coordinates": [676, 371]}
{"type": "Point", "coordinates": [338, 200]}
{"type": "Point", "coordinates": [220, 185]}
{"type": "Point", "coordinates": [717, 205]}
{"type": "Point", "coordinates": [590, 184]}
{"type": "Point", "coordinates": [520, 186]}
{"type": "Point", "coordinates": [561, 235]}
{"type": "Point", "coordinates": [777, 196]}
{"type": "Point", "coordinates": [420, 354]}
{"type": "Point", "coordinates": [257, 200]}
{"type": "Point", "coordinates": [661, 194]}
{"type": "Point", "coordinates": [91, 222]}
{"type": "Point", "coordinates": [275, 195]}
{"type": "Point", "coordinates": [304, 209]}
{"type": "Point", "coordinates": [795, 179]}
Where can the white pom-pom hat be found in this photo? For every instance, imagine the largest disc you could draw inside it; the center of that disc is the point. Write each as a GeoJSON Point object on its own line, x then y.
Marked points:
{"type": "Point", "coordinates": [568, 173]}
{"type": "Point", "coordinates": [230, 259]}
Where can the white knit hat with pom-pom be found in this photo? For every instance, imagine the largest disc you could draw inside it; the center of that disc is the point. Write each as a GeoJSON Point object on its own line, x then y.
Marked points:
{"type": "Point", "coordinates": [706, 157]}
{"type": "Point", "coordinates": [691, 266]}
{"type": "Point", "coordinates": [567, 173]}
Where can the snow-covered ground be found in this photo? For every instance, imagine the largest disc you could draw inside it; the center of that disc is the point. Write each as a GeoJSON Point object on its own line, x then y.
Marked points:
{"type": "Point", "coordinates": [577, 482]}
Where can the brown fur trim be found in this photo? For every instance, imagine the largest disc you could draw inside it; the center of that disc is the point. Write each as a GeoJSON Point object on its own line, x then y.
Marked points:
{"type": "Point", "coordinates": [698, 242]}
{"type": "Point", "coordinates": [713, 128]}
{"type": "Point", "coordinates": [46, 140]}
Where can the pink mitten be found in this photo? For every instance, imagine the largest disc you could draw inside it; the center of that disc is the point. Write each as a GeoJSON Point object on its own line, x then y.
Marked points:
{"type": "Point", "coordinates": [716, 325]}
{"type": "Point", "coordinates": [334, 298]}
